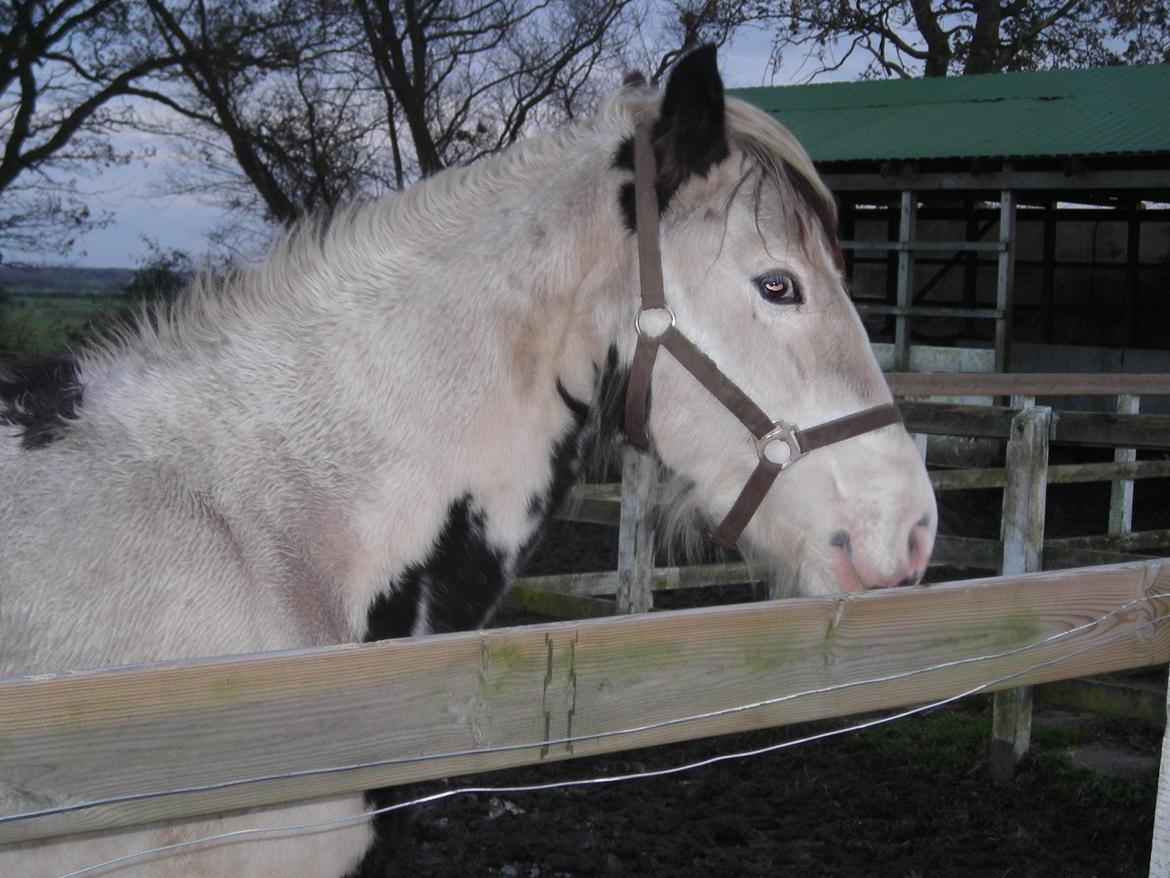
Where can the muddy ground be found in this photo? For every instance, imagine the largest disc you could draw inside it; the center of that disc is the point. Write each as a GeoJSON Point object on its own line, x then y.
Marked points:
{"type": "Point", "coordinates": [913, 798]}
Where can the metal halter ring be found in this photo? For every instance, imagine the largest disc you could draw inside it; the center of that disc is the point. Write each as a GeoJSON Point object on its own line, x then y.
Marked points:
{"type": "Point", "coordinates": [638, 321]}
{"type": "Point", "coordinates": [780, 446]}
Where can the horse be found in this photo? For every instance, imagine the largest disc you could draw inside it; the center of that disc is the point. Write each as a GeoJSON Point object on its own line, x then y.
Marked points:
{"type": "Point", "coordinates": [363, 435]}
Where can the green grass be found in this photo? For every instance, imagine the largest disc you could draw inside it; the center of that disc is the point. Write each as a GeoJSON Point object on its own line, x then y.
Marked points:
{"type": "Point", "coordinates": [44, 324]}
{"type": "Point", "coordinates": [956, 742]}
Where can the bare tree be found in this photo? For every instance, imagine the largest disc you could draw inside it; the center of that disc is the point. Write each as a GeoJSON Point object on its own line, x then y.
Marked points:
{"type": "Point", "coordinates": [918, 37]}
{"type": "Point", "coordinates": [292, 105]}
{"type": "Point", "coordinates": [461, 78]}
{"type": "Point", "coordinates": [263, 101]}
{"type": "Point", "coordinates": [62, 66]}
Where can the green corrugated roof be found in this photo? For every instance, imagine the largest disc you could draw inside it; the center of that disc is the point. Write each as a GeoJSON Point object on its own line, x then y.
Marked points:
{"type": "Point", "coordinates": [1101, 111]}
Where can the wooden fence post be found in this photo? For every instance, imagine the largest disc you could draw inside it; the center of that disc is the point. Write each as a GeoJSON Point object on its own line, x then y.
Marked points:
{"type": "Point", "coordinates": [1160, 851]}
{"type": "Point", "coordinates": [1023, 546]}
{"type": "Point", "coordinates": [1121, 495]}
{"type": "Point", "coordinates": [635, 534]}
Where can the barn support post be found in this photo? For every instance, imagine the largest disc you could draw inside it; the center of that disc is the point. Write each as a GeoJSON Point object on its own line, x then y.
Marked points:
{"type": "Point", "coordinates": [636, 533]}
{"type": "Point", "coordinates": [1023, 546]}
{"type": "Point", "coordinates": [1004, 280]}
{"type": "Point", "coordinates": [1121, 493]}
{"type": "Point", "coordinates": [906, 230]}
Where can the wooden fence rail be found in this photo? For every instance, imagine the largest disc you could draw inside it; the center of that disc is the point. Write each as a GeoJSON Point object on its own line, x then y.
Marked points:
{"type": "Point", "coordinates": [1026, 384]}
{"type": "Point", "coordinates": [252, 730]}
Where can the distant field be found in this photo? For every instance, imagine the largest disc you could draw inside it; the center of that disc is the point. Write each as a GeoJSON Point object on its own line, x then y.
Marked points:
{"type": "Point", "coordinates": [44, 324]}
{"type": "Point", "coordinates": [64, 282]}
{"type": "Point", "coordinates": [51, 308]}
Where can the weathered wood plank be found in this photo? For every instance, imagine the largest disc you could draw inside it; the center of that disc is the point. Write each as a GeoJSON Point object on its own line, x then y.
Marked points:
{"type": "Point", "coordinates": [1036, 384]}
{"type": "Point", "coordinates": [1134, 541]}
{"type": "Point", "coordinates": [1121, 492]}
{"type": "Point", "coordinates": [1064, 474]}
{"type": "Point", "coordinates": [557, 604]}
{"type": "Point", "coordinates": [605, 582]}
{"type": "Point", "coordinates": [946, 419]}
{"type": "Point", "coordinates": [1022, 533]}
{"type": "Point", "coordinates": [636, 532]}
{"type": "Point", "coordinates": [1071, 428]}
{"type": "Point", "coordinates": [445, 705]}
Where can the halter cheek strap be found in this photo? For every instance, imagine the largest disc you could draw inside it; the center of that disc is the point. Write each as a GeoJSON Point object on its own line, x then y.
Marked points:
{"type": "Point", "coordinates": [778, 443]}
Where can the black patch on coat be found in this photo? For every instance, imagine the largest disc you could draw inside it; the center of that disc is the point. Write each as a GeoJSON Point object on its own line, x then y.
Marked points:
{"type": "Point", "coordinates": [463, 578]}
{"type": "Point", "coordinates": [380, 858]}
{"type": "Point", "coordinates": [392, 614]}
{"type": "Point", "coordinates": [40, 397]}
{"type": "Point", "coordinates": [584, 435]}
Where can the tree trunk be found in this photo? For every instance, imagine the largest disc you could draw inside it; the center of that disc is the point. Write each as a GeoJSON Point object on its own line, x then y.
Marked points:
{"type": "Point", "coordinates": [981, 58]}
{"type": "Point", "coordinates": [938, 47]}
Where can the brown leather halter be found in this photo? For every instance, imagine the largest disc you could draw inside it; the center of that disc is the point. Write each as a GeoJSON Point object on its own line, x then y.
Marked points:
{"type": "Point", "coordinates": [778, 443]}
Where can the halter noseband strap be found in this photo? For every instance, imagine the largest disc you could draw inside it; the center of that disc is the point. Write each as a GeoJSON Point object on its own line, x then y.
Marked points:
{"type": "Point", "coordinates": [778, 443]}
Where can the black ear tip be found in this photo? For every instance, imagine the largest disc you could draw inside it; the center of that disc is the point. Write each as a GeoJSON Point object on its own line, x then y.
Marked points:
{"type": "Point", "coordinates": [696, 73]}
{"type": "Point", "coordinates": [702, 61]}
{"type": "Point", "coordinates": [633, 79]}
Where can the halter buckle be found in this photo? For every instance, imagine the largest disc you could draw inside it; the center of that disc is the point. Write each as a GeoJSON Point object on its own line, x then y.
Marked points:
{"type": "Point", "coordinates": [643, 331]}
{"type": "Point", "coordinates": [779, 446]}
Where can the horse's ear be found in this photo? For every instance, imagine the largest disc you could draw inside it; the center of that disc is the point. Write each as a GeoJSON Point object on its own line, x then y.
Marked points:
{"type": "Point", "coordinates": [690, 132]}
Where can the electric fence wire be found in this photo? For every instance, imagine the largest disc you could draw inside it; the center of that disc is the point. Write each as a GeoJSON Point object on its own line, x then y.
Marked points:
{"type": "Point", "coordinates": [242, 834]}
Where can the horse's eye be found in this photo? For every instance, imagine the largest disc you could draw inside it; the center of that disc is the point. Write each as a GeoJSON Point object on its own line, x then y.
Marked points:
{"type": "Point", "coordinates": [779, 287]}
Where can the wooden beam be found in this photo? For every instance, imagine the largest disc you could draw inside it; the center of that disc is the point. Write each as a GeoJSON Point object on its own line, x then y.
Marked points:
{"type": "Point", "coordinates": [1022, 533]}
{"type": "Point", "coordinates": [1005, 280]}
{"type": "Point", "coordinates": [926, 246]}
{"type": "Point", "coordinates": [605, 582]}
{"type": "Point", "coordinates": [355, 717]}
{"type": "Point", "coordinates": [1071, 428]}
{"type": "Point", "coordinates": [1065, 474]}
{"type": "Point", "coordinates": [1133, 541]}
{"type": "Point", "coordinates": [1121, 491]}
{"type": "Point", "coordinates": [905, 291]}
{"type": "Point", "coordinates": [636, 532]}
{"type": "Point", "coordinates": [929, 311]}
{"type": "Point", "coordinates": [1034, 384]}
{"type": "Point", "coordinates": [1152, 180]}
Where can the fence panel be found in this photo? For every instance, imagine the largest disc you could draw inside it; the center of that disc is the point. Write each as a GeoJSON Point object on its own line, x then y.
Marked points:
{"type": "Point", "coordinates": [245, 731]}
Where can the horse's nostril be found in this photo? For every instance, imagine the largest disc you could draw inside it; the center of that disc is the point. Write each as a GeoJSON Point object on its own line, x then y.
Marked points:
{"type": "Point", "coordinates": [840, 539]}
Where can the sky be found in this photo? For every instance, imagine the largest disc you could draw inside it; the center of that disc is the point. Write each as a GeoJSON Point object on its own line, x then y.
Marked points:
{"type": "Point", "coordinates": [131, 193]}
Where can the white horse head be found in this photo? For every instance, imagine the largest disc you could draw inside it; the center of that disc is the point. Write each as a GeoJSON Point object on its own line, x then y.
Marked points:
{"type": "Point", "coordinates": [753, 276]}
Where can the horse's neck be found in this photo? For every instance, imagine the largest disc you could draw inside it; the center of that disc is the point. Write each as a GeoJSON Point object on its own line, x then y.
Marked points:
{"type": "Point", "coordinates": [441, 374]}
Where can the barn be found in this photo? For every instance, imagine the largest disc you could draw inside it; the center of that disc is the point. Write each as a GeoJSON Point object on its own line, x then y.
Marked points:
{"type": "Point", "coordinates": [1021, 218]}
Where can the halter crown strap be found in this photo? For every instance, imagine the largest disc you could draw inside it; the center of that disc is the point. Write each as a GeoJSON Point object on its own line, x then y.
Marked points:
{"type": "Point", "coordinates": [650, 279]}
{"type": "Point", "coordinates": [779, 444]}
